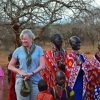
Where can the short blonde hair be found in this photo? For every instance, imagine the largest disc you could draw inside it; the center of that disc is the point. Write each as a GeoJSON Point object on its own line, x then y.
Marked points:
{"type": "Point", "coordinates": [27, 32]}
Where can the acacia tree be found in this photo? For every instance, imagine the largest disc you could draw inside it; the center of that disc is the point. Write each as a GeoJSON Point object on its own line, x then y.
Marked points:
{"type": "Point", "coordinates": [39, 12]}
{"type": "Point", "coordinates": [90, 23]}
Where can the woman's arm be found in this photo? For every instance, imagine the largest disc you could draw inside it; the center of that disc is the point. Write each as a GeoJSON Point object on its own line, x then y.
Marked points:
{"type": "Point", "coordinates": [12, 67]}
{"type": "Point", "coordinates": [41, 66]}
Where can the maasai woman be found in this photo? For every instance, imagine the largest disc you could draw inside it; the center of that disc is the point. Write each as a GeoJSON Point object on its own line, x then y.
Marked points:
{"type": "Point", "coordinates": [93, 73]}
{"type": "Point", "coordinates": [11, 80]}
{"type": "Point", "coordinates": [79, 68]}
{"type": "Point", "coordinates": [55, 60]}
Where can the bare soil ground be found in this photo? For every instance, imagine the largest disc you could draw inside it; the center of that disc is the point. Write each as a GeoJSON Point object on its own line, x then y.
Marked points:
{"type": "Point", "coordinates": [3, 63]}
{"type": "Point", "coordinates": [88, 50]}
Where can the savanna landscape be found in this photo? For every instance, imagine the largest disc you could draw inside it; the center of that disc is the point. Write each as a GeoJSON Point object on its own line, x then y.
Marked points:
{"type": "Point", "coordinates": [88, 50]}
{"type": "Point", "coordinates": [44, 18]}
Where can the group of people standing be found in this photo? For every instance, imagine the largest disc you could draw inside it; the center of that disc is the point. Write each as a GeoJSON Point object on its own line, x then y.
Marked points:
{"type": "Point", "coordinates": [55, 74]}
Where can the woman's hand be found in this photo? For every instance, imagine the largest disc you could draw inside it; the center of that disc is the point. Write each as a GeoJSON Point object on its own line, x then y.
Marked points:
{"type": "Point", "coordinates": [27, 76]}
{"type": "Point", "coordinates": [21, 73]}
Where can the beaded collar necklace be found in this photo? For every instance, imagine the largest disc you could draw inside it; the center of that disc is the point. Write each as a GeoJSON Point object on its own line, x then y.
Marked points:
{"type": "Point", "coordinates": [59, 55]}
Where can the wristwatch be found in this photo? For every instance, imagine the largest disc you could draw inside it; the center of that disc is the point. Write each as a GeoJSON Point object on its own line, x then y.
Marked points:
{"type": "Point", "coordinates": [33, 73]}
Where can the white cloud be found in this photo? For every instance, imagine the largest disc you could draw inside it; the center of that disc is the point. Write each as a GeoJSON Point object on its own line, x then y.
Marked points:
{"type": "Point", "coordinates": [97, 2]}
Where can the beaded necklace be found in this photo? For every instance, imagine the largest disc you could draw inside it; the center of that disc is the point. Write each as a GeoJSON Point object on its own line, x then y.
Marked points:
{"type": "Point", "coordinates": [59, 93]}
{"type": "Point", "coordinates": [59, 56]}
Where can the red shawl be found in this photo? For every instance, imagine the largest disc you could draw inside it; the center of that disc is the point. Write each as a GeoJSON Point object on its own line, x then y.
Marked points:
{"type": "Point", "coordinates": [93, 77]}
{"type": "Point", "coordinates": [49, 72]}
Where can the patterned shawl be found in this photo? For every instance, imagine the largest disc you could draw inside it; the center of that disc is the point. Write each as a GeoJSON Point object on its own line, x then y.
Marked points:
{"type": "Point", "coordinates": [51, 68]}
{"type": "Point", "coordinates": [74, 65]}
